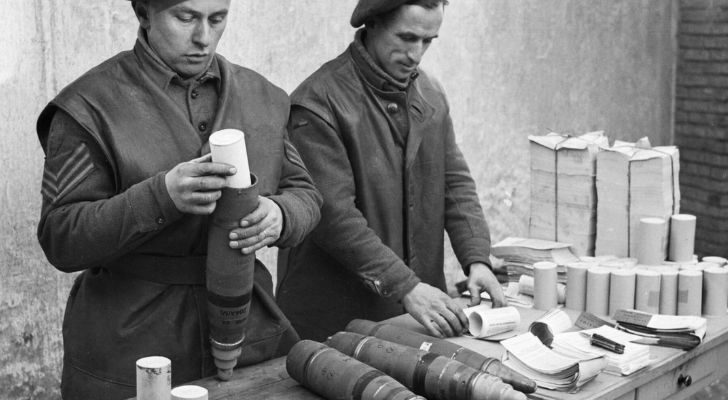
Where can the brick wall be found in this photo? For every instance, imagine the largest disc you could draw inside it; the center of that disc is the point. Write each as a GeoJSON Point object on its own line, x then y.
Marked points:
{"type": "Point", "coordinates": [701, 120]}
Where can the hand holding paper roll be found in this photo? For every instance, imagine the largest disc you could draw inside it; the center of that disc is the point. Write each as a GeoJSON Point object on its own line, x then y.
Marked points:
{"type": "Point", "coordinates": [195, 186]}
{"type": "Point", "coordinates": [264, 224]}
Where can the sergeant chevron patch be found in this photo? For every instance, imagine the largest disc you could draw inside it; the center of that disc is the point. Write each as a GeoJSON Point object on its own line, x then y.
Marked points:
{"type": "Point", "coordinates": [61, 174]}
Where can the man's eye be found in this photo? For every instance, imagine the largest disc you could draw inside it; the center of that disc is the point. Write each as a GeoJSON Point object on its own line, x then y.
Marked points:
{"type": "Point", "coordinates": [217, 20]}
{"type": "Point", "coordinates": [185, 18]}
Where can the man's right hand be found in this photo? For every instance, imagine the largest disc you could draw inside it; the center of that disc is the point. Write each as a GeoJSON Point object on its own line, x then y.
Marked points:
{"type": "Point", "coordinates": [435, 310]}
{"type": "Point", "coordinates": [195, 185]}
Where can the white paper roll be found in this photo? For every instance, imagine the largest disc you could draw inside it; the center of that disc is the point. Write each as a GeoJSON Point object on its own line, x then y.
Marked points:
{"type": "Point", "coordinates": [576, 285]}
{"type": "Point", "coordinates": [621, 290]}
{"type": "Point", "coordinates": [485, 321]}
{"type": "Point", "coordinates": [189, 392]}
{"type": "Point", "coordinates": [668, 292]}
{"type": "Point", "coordinates": [682, 237]}
{"type": "Point", "coordinates": [597, 289]}
{"type": "Point", "coordinates": [715, 291]}
{"type": "Point", "coordinates": [647, 293]}
{"type": "Point", "coordinates": [716, 260]}
{"type": "Point", "coordinates": [525, 286]}
{"type": "Point", "coordinates": [545, 296]}
{"type": "Point", "coordinates": [228, 146]}
{"type": "Point", "coordinates": [689, 292]}
{"type": "Point", "coordinates": [153, 378]}
{"type": "Point", "coordinates": [650, 241]}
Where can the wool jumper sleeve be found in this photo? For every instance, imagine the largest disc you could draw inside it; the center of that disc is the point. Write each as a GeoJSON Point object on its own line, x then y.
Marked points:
{"type": "Point", "coordinates": [83, 222]}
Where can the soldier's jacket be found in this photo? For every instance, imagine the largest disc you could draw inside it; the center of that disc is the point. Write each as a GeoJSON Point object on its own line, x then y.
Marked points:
{"type": "Point", "coordinates": [393, 179]}
{"type": "Point", "coordinates": [109, 139]}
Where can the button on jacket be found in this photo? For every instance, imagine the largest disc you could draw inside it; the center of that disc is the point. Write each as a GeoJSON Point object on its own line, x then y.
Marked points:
{"type": "Point", "coordinates": [384, 157]}
{"type": "Point", "coordinates": [109, 139]}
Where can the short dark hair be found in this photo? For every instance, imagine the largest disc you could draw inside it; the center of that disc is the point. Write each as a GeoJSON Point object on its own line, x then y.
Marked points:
{"type": "Point", "coordinates": [387, 16]}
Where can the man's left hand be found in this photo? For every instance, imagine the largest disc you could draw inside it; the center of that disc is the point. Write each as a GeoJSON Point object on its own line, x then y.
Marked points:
{"type": "Point", "coordinates": [481, 279]}
{"type": "Point", "coordinates": [258, 229]}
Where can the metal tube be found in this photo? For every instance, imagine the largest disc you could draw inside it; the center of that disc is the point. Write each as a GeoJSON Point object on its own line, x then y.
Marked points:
{"type": "Point", "coordinates": [229, 278]}
{"type": "Point", "coordinates": [444, 348]}
{"type": "Point", "coordinates": [427, 374]}
{"type": "Point", "coordinates": [336, 376]}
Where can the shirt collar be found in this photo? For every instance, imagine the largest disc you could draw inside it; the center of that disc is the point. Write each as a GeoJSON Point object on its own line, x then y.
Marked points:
{"type": "Point", "coordinates": [160, 73]}
{"type": "Point", "coordinates": [374, 74]}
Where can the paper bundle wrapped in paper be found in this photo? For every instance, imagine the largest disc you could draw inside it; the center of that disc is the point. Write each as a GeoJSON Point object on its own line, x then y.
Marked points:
{"type": "Point", "coordinates": [634, 181]}
{"type": "Point", "coordinates": [563, 193]}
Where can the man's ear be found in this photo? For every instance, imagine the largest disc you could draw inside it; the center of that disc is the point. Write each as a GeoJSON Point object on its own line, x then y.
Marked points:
{"type": "Point", "coordinates": [141, 9]}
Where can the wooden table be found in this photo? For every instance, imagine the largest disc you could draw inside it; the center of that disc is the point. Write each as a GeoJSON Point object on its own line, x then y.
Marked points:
{"type": "Point", "coordinates": [664, 379]}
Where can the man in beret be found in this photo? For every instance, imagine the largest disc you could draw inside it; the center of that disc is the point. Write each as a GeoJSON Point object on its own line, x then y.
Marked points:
{"type": "Point", "coordinates": [128, 187]}
{"type": "Point", "coordinates": [375, 133]}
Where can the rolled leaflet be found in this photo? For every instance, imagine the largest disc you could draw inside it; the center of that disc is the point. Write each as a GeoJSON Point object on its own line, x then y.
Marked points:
{"type": "Point", "coordinates": [444, 348]}
{"type": "Point", "coordinates": [336, 376]}
{"type": "Point", "coordinates": [427, 374]}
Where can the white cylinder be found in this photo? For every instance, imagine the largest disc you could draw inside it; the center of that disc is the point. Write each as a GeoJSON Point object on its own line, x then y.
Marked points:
{"type": "Point", "coordinates": [668, 292]}
{"type": "Point", "coordinates": [650, 239]}
{"type": "Point", "coordinates": [647, 293]}
{"type": "Point", "coordinates": [576, 286]}
{"type": "Point", "coordinates": [525, 286]}
{"type": "Point", "coordinates": [485, 321]}
{"type": "Point", "coordinates": [689, 292]}
{"type": "Point", "coordinates": [682, 237]}
{"type": "Point", "coordinates": [153, 378]}
{"type": "Point", "coordinates": [189, 392]}
{"type": "Point", "coordinates": [716, 260]}
{"type": "Point", "coordinates": [715, 291]}
{"type": "Point", "coordinates": [545, 296]}
{"type": "Point", "coordinates": [228, 146]}
{"type": "Point", "coordinates": [597, 289]}
{"type": "Point", "coordinates": [621, 290]}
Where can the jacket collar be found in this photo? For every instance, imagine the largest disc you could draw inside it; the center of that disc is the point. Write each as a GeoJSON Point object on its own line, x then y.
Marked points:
{"type": "Point", "coordinates": [160, 73]}
{"type": "Point", "coordinates": [375, 75]}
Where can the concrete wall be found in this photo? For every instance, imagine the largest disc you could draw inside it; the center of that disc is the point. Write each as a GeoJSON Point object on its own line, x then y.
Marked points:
{"type": "Point", "coordinates": [511, 68]}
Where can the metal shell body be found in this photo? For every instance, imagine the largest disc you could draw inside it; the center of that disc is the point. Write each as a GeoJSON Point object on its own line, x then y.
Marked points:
{"type": "Point", "coordinates": [336, 376]}
{"type": "Point", "coordinates": [444, 348]}
{"type": "Point", "coordinates": [229, 277]}
{"type": "Point", "coordinates": [428, 374]}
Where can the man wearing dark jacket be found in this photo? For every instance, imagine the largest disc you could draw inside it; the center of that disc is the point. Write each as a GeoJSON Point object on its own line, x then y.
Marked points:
{"type": "Point", "coordinates": [375, 133]}
{"type": "Point", "coordinates": [128, 187]}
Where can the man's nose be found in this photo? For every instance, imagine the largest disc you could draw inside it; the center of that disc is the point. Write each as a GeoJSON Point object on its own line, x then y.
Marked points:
{"type": "Point", "coordinates": [415, 52]}
{"type": "Point", "coordinates": [202, 34]}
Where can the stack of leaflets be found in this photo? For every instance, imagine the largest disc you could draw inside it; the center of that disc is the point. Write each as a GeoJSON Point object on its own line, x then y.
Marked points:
{"type": "Point", "coordinates": [519, 255]}
{"type": "Point", "coordinates": [526, 355]}
{"type": "Point", "coordinates": [633, 356]}
{"type": "Point", "coordinates": [634, 181]}
{"type": "Point", "coordinates": [563, 191]}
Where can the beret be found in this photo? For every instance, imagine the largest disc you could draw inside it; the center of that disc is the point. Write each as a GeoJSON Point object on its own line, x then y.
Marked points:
{"type": "Point", "coordinates": [366, 9]}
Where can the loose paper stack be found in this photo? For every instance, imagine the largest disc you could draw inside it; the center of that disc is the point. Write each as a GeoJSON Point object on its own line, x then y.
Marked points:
{"type": "Point", "coordinates": [526, 355]}
{"type": "Point", "coordinates": [634, 181]}
{"type": "Point", "coordinates": [563, 194]}
{"type": "Point", "coordinates": [577, 344]}
{"type": "Point", "coordinates": [519, 255]}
